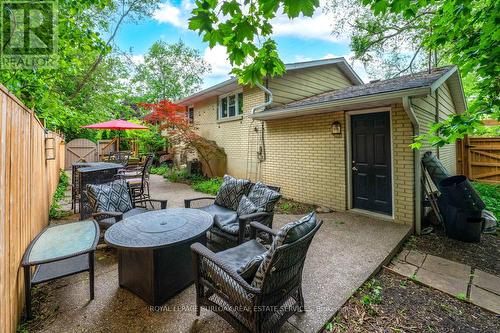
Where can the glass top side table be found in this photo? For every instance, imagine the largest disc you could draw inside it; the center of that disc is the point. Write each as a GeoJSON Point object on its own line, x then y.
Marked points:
{"type": "Point", "coordinates": [59, 251]}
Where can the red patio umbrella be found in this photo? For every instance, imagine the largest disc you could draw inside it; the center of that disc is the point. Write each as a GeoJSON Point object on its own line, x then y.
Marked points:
{"type": "Point", "coordinates": [119, 124]}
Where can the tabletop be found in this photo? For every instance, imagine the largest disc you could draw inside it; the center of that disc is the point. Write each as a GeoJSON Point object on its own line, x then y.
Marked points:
{"type": "Point", "coordinates": [159, 228]}
{"type": "Point", "coordinates": [93, 166]}
{"type": "Point", "coordinates": [62, 241]}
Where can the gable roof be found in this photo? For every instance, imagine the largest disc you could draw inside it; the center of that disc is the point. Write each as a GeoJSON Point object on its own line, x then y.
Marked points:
{"type": "Point", "coordinates": [421, 83]}
{"type": "Point", "coordinates": [232, 83]}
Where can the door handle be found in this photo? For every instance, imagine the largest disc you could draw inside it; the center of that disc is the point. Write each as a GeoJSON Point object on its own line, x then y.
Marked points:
{"type": "Point", "coordinates": [354, 168]}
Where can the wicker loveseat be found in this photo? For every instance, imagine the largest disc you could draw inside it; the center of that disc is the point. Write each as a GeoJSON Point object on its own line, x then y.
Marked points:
{"type": "Point", "coordinates": [264, 300]}
{"type": "Point", "coordinates": [230, 227]}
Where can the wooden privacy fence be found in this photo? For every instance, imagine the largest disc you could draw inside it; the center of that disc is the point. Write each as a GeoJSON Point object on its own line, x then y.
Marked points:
{"type": "Point", "coordinates": [80, 150]}
{"type": "Point", "coordinates": [479, 158]}
{"type": "Point", "coordinates": [30, 160]}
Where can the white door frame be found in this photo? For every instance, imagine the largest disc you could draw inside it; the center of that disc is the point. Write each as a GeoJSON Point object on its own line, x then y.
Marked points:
{"type": "Point", "coordinates": [348, 115]}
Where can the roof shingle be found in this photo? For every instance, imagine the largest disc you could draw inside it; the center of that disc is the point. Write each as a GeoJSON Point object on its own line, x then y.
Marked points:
{"type": "Point", "coordinates": [416, 80]}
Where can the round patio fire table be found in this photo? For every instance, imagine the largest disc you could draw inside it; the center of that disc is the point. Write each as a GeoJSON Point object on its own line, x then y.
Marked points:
{"type": "Point", "coordinates": [154, 255]}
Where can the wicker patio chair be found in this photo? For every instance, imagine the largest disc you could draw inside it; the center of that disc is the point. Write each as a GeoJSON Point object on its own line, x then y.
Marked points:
{"type": "Point", "coordinates": [220, 288]}
{"type": "Point", "coordinates": [232, 234]}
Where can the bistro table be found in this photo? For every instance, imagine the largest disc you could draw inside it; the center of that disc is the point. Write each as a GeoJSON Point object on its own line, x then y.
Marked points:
{"type": "Point", "coordinates": [154, 255]}
{"type": "Point", "coordinates": [84, 173]}
{"type": "Point", "coordinates": [60, 251]}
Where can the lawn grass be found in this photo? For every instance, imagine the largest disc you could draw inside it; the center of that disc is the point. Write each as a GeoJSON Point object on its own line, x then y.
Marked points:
{"type": "Point", "coordinates": [490, 194]}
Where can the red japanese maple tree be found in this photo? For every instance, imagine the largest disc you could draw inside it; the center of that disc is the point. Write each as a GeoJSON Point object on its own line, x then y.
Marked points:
{"type": "Point", "coordinates": [174, 121]}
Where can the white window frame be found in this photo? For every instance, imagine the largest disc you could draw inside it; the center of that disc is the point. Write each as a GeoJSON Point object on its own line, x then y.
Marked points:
{"type": "Point", "coordinates": [236, 105]}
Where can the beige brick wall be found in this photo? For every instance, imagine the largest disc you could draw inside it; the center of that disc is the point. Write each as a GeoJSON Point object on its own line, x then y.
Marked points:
{"type": "Point", "coordinates": [306, 160]}
{"type": "Point", "coordinates": [231, 135]}
{"type": "Point", "coordinates": [309, 163]}
{"type": "Point", "coordinates": [403, 168]}
{"type": "Point", "coordinates": [303, 157]}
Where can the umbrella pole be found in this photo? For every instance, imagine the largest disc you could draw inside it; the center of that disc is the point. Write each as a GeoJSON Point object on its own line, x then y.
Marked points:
{"type": "Point", "coordinates": [118, 146]}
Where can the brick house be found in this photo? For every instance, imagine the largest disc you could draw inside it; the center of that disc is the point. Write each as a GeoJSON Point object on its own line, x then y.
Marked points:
{"type": "Point", "coordinates": [327, 138]}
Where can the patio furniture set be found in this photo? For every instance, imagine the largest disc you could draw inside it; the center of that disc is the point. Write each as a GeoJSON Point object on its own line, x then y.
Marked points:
{"type": "Point", "coordinates": [248, 273]}
{"type": "Point", "coordinates": [116, 167]}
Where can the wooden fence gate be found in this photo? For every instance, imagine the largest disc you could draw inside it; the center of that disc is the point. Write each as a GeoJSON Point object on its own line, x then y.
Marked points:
{"type": "Point", "coordinates": [479, 158]}
{"type": "Point", "coordinates": [80, 150]}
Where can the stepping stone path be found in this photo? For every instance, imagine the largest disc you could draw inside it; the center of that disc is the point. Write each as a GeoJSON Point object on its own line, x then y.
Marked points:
{"type": "Point", "coordinates": [453, 278]}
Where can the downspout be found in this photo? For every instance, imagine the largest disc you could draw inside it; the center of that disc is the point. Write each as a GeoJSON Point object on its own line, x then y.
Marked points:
{"type": "Point", "coordinates": [263, 105]}
{"type": "Point", "coordinates": [261, 154]}
{"type": "Point", "coordinates": [416, 166]}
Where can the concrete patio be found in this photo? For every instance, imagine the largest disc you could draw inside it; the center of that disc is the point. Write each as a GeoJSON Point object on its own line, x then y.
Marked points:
{"type": "Point", "coordinates": [345, 252]}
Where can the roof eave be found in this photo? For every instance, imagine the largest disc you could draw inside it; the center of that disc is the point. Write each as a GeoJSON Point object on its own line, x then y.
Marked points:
{"type": "Point", "coordinates": [215, 88]}
{"type": "Point", "coordinates": [458, 94]}
{"type": "Point", "coordinates": [310, 109]}
{"type": "Point", "coordinates": [209, 92]}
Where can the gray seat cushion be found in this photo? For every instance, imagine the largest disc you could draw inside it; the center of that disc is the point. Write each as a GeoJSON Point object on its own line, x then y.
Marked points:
{"type": "Point", "coordinates": [244, 258]}
{"type": "Point", "coordinates": [225, 216]}
{"type": "Point", "coordinates": [106, 223]}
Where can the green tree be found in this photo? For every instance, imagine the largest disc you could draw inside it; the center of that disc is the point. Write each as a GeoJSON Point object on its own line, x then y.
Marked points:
{"type": "Point", "coordinates": [461, 32]}
{"type": "Point", "coordinates": [388, 45]}
{"type": "Point", "coordinates": [87, 85]}
{"type": "Point", "coordinates": [244, 29]}
{"type": "Point", "coordinates": [170, 71]}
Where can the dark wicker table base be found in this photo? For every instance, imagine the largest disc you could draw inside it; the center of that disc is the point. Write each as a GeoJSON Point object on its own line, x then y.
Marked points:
{"type": "Point", "coordinates": [155, 275]}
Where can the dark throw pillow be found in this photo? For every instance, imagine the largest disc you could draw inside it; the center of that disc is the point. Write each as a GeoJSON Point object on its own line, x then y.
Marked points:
{"type": "Point", "coordinates": [231, 191]}
{"type": "Point", "coordinates": [263, 197]}
{"type": "Point", "coordinates": [109, 197]}
{"type": "Point", "coordinates": [246, 206]}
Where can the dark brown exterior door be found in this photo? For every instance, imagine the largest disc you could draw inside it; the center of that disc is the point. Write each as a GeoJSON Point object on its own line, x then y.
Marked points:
{"type": "Point", "coordinates": [371, 162]}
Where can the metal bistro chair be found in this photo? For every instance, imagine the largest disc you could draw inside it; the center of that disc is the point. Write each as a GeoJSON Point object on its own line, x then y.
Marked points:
{"type": "Point", "coordinates": [120, 157]}
{"type": "Point", "coordinates": [139, 185]}
{"type": "Point", "coordinates": [75, 188]}
{"type": "Point", "coordinates": [251, 306]}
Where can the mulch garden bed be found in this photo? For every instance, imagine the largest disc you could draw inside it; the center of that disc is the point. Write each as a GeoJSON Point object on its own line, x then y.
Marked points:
{"type": "Point", "coordinates": [287, 206]}
{"type": "Point", "coordinates": [484, 255]}
{"type": "Point", "coordinates": [389, 303]}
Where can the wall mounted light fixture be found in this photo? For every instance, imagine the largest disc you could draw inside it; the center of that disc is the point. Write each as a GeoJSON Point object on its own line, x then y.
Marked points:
{"type": "Point", "coordinates": [336, 128]}
{"type": "Point", "coordinates": [50, 148]}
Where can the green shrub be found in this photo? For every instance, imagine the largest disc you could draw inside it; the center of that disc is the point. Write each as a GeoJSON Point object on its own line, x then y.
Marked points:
{"type": "Point", "coordinates": [491, 196]}
{"type": "Point", "coordinates": [176, 175]}
{"type": "Point", "coordinates": [210, 186]}
{"type": "Point", "coordinates": [161, 170]}
{"type": "Point", "coordinates": [55, 211]}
